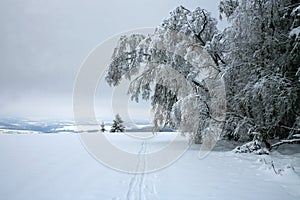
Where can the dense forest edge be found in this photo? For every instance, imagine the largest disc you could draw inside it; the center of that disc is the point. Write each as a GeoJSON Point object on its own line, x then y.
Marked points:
{"type": "Point", "coordinates": [257, 56]}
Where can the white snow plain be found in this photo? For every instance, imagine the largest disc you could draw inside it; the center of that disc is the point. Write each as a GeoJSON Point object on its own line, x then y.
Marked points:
{"type": "Point", "coordinates": [56, 166]}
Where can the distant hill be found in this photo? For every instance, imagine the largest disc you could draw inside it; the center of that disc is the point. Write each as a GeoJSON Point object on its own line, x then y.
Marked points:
{"type": "Point", "coordinates": [12, 125]}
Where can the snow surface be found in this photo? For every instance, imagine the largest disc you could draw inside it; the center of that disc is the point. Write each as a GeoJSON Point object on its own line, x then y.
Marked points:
{"type": "Point", "coordinates": [56, 166]}
{"type": "Point", "coordinates": [295, 31]}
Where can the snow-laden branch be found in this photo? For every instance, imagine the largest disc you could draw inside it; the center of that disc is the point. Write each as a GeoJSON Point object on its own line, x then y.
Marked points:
{"type": "Point", "coordinates": [293, 129]}
{"type": "Point", "coordinates": [292, 141]}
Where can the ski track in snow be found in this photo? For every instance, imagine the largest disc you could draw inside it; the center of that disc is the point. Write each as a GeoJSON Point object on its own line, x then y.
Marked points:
{"type": "Point", "coordinates": [140, 187]}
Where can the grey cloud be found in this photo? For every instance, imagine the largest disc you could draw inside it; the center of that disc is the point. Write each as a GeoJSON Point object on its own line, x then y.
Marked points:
{"type": "Point", "coordinates": [44, 42]}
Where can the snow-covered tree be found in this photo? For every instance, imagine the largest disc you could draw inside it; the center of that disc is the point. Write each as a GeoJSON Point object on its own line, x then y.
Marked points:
{"type": "Point", "coordinates": [228, 7]}
{"type": "Point", "coordinates": [258, 55]}
{"type": "Point", "coordinates": [169, 68]}
{"type": "Point", "coordinates": [103, 127]}
{"type": "Point", "coordinates": [262, 61]}
{"type": "Point", "coordinates": [117, 125]}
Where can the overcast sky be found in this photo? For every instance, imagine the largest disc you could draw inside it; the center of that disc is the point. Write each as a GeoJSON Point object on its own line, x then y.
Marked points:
{"type": "Point", "coordinates": [44, 42]}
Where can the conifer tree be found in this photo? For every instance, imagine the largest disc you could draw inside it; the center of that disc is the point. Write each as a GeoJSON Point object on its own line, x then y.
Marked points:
{"type": "Point", "coordinates": [117, 125]}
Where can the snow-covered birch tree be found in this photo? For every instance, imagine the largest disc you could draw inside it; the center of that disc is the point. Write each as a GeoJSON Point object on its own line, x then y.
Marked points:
{"type": "Point", "coordinates": [166, 68]}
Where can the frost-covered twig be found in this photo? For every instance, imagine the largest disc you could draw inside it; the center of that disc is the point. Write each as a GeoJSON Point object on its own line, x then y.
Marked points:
{"type": "Point", "coordinates": [273, 166]}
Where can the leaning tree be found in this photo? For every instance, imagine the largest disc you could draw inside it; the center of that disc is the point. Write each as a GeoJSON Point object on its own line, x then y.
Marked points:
{"type": "Point", "coordinates": [175, 68]}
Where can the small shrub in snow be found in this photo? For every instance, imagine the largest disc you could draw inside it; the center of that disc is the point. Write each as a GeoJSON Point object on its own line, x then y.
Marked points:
{"type": "Point", "coordinates": [251, 147]}
{"type": "Point", "coordinates": [270, 165]}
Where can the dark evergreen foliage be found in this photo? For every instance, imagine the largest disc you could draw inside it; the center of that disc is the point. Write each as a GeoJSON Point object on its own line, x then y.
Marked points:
{"type": "Point", "coordinates": [117, 125]}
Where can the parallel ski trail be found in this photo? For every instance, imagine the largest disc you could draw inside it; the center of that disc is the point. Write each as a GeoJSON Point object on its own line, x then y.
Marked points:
{"type": "Point", "coordinates": [136, 189]}
{"type": "Point", "coordinates": [141, 189]}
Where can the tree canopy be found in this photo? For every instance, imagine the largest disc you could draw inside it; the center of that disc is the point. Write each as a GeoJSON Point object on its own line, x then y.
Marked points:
{"type": "Point", "coordinates": [257, 57]}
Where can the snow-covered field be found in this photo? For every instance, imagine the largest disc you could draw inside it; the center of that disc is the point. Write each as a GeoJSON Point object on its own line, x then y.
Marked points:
{"type": "Point", "coordinates": [56, 166]}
